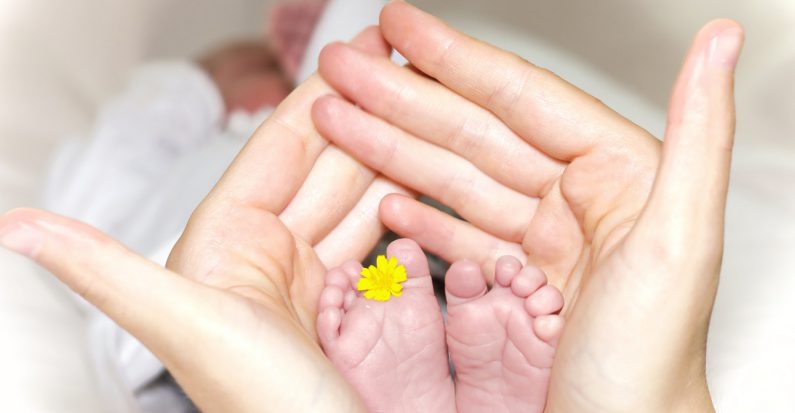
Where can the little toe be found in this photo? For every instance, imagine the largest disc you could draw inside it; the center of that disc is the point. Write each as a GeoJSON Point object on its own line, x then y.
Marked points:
{"type": "Point", "coordinates": [332, 296]}
{"type": "Point", "coordinates": [546, 300]}
{"type": "Point", "coordinates": [408, 253]}
{"type": "Point", "coordinates": [528, 281]}
{"type": "Point", "coordinates": [328, 326]}
{"type": "Point", "coordinates": [337, 277]}
{"type": "Point", "coordinates": [464, 282]}
{"type": "Point", "coordinates": [506, 268]}
{"type": "Point", "coordinates": [548, 328]}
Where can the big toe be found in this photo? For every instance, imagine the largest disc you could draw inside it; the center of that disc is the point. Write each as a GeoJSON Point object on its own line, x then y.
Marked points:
{"type": "Point", "coordinates": [408, 253]}
{"type": "Point", "coordinates": [464, 282]}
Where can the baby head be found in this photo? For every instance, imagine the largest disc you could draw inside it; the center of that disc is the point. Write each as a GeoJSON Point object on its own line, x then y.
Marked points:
{"type": "Point", "coordinates": [248, 76]}
{"type": "Point", "coordinates": [256, 74]}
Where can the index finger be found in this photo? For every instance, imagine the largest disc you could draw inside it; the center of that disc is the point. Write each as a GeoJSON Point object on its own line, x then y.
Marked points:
{"type": "Point", "coordinates": [274, 163]}
{"type": "Point", "coordinates": [550, 113]}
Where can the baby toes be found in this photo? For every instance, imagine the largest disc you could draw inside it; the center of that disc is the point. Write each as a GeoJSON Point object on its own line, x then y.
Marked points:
{"type": "Point", "coordinates": [341, 277]}
{"type": "Point", "coordinates": [353, 269]}
{"type": "Point", "coordinates": [544, 301]}
{"type": "Point", "coordinates": [548, 328]}
{"type": "Point", "coordinates": [329, 316]}
{"type": "Point", "coordinates": [528, 281]}
{"type": "Point", "coordinates": [331, 296]}
{"type": "Point", "coordinates": [464, 282]}
{"type": "Point", "coordinates": [505, 270]}
{"type": "Point", "coordinates": [338, 277]}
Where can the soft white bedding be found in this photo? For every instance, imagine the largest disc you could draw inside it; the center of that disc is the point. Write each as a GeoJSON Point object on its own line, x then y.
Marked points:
{"type": "Point", "coordinates": [60, 60]}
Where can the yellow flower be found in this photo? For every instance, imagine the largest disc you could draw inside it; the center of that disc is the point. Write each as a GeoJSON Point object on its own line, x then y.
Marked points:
{"type": "Point", "coordinates": [383, 281]}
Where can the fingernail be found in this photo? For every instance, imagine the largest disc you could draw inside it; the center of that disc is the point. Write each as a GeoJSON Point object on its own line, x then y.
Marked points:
{"type": "Point", "coordinates": [22, 239]}
{"type": "Point", "coordinates": [724, 48]}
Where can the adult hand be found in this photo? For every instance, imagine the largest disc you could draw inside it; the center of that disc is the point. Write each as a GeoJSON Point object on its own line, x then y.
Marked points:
{"type": "Point", "coordinates": [631, 232]}
{"type": "Point", "coordinates": [233, 317]}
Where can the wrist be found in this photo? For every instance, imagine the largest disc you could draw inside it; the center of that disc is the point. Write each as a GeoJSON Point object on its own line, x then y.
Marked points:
{"type": "Point", "coordinates": [695, 398]}
{"type": "Point", "coordinates": [681, 388]}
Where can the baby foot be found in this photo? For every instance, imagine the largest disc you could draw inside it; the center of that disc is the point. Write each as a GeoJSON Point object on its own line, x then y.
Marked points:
{"type": "Point", "coordinates": [392, 352]}
{"type": "Point", "coordinates": [502, 342]}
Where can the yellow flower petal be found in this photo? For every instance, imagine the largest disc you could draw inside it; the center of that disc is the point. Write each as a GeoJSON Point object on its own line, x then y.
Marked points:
{"type": "Point", "coordinates": [365, 284]}
{"type": "Point", "coordinates": [369, 272]}
{"type": "Point", "coordinates": [399, 275]}
{"type": "Point", "coordinates": [381, 262]}
{"type": "Point", "coordinates": [382, 295]}
{"type": "Point", "coordinates": [382, 281]}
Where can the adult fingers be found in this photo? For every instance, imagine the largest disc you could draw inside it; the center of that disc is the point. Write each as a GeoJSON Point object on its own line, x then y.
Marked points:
{"type": "Point", "coordinates": [553, 115]}
{"type": "Point", "coordinates": [336, 180]}
{"type": "Point", "coordinates": [264, 178]}
{"type": "Point", "coordinates": [320, 205]}
{"type": "Point", "coordinates": [427, 168]}
{"type": "Point", "coordinates": [430, 111]}
{"type": "Point", "coordinates": [199, 333]}
{"type": "Point", "coordinates": [443, 235]}
{"type": "Point", "coordinates": [275, 162]}
{"type": "Point", "coordinates": [149, 301]}
{"type": "Point", "coordinates": [361, 224]}
{"type": "Point", "coordinates": [689, 196]}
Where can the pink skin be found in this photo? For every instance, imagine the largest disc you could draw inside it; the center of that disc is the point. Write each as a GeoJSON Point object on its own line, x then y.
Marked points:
{"type": "Point", "coordinates": [290, 26]}
{"type": "Point", "coordinates": [247, 76]}
{"type": "Point", "coordinates": [502, 342]}
{"type": "Point", "coordinates": [393, 353]}
{"type": "Point", "coordinates": [251, 75]}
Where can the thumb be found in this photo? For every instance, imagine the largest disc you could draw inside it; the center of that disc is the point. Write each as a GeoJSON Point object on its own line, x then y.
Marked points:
{"type": "Point", "coordinates": [688, 200]}
{"type": "Point", "coordinates": [149, 301]}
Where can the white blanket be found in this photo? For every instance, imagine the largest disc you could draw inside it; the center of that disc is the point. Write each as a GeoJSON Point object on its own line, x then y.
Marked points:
{"type": "Point", "coordinates": [60, 60]}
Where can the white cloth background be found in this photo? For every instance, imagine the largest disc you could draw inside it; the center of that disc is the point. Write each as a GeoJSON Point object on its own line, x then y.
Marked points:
{"type": "Point", "coordinates": [61, 60]}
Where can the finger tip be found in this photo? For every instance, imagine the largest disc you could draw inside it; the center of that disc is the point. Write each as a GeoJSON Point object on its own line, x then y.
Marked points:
{"type": "Point", "coordinates": [370, 40]}
{"type": "Point", "coordinates": [330, 116]}
{"type": "Point", "coordinates": [21, 214]}
{"type": "Point", "coordinates": [393, 211]}
{"type": "Point", "coordinates": [373, 28]}
{"type": "Point", "coordinates": [51, 223]}
{"type": "Point", "coordinates": [330, 56]}
{"type": "Point", "coordinates": [719, 25]}
{"type": "Point", "coordinates": [387, 12]}
{"type": "Point", "coordinates": [722, 39]}
{"type": "Point", "coordinates": [393, 17]}
{"type": "Point", "coordinates": [324, 107]}
{"type": "Point", "coordinates": [391, 203]}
